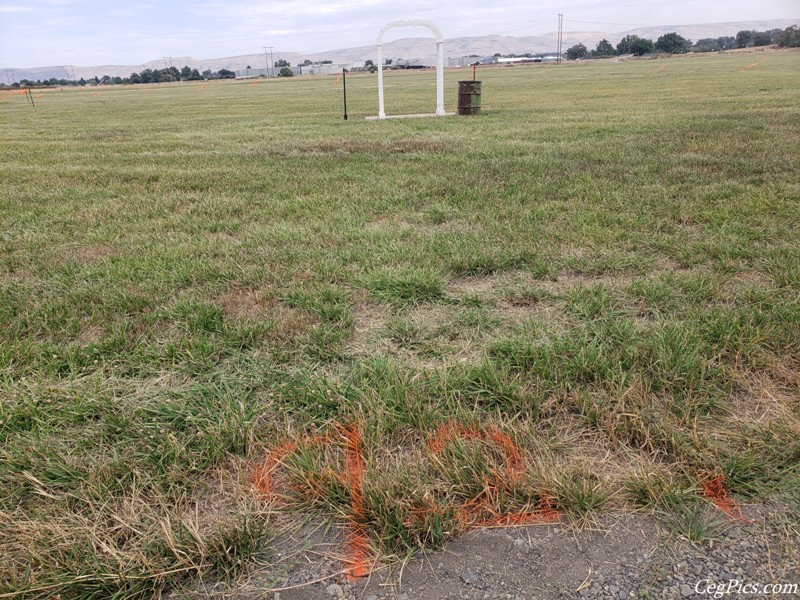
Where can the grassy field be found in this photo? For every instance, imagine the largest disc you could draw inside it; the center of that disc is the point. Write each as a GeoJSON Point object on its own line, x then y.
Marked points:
{"type": "Point", "coordinates": [603, 269]}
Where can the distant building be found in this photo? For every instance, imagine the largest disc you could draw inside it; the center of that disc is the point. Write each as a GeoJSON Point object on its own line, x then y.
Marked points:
{"type": "Point", "coordinates": [414, 63]}
{"type": "Point", "coordinates": [249, 73]}
{"type": "Point", "coordinates": [462, 61]}
{"type": "Point", "coordinates": [314, 69]}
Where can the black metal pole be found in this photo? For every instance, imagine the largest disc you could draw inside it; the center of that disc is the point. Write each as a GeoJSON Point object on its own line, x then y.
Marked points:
{"type": "Point", "coordinates": [344, 89]}
{"type": "Point", "coordinates": [30, 95]}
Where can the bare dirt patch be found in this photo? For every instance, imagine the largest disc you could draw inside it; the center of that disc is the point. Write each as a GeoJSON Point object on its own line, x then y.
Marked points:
{"type": "Point", "coordinates": [626, 555]}
{"type": "Point", "coordinates": [245, 303]}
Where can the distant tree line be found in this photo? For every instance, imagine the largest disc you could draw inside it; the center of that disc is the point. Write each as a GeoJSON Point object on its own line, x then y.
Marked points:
{"type": "Point", "coordinates": [166, 75]}
{"type": "Point", "coordinates": [672, 43]}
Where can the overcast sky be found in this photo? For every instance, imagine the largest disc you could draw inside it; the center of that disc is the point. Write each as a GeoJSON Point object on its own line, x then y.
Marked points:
{"type": "Point", "coordinates": [97, 32]}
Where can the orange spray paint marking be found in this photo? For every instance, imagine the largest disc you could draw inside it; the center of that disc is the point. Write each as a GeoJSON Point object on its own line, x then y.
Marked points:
{"type": "Point", "coordinates": [359, 564]}
{"type": "Point", "coordinates": [40, 96]}
{"type": "Point", "coordinates": [262, 476]}
{"type": "Point", "coordinates": [755, 64]}
{"type": "Point", "coordinates": [658, 70]}
{"type": "Point", "coordinates": [479, 512]}
{"type": "Point", "coordinates": [202, 87]}
{"type": "Point", "coordinates": [265, 482]}
{"type": "Point", "coordinates": [714, 490]}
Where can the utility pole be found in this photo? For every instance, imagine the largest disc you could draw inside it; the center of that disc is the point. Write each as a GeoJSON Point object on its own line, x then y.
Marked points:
{"type": "Point", "coordinates": [560, 35]}
{"type": "Point", "coordinates": [167, 61]}
{"type": "Point", "coordinates": [266, 60]}
{"type": "Point", "coordinates": [10, 76]}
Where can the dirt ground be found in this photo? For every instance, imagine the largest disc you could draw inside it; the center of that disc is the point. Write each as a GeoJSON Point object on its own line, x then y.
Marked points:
{"type": "Point", "coordinates": [621, 556]}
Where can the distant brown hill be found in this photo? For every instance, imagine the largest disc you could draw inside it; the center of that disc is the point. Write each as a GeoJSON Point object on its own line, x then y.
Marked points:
{"type": "Point", "coordinates": [417, 48]}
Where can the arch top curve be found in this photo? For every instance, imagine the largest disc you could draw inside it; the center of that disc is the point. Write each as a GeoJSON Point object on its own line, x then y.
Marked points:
{"type": "Point", "coordinates": [412, 23]}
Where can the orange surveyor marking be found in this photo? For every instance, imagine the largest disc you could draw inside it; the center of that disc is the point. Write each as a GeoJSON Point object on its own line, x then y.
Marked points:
{"type": "Point", "coordinates": [40, 96]}
{"type": "Point", "coordinates": [359, 564]}
{"type": "Point", "coordinates": [338, 79]}
{"type": "Point", "coordinates": [714, 490]}
{"type": "Point", "coordinates": [755, 64]}
{"type": "Point", "coordinates": [202, 87]}
{"type": "Point", "coordinates": [479, 512]}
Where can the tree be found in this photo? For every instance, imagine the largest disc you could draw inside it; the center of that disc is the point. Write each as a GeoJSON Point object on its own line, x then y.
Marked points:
{"type": "Point", "coordinates": [185, 72]}
{"type": "Point", "coordinates": [226, 74]}
{"type": "Point", "coordinates": [195, 75]}
{"type": "Point", "coordinates": [671, 43]}
{"type": "Point", "coordinates": [744, 39]}
{"type": "Point", "coordinates": [369, 63]}
{"type": "Point", "coordinates": [576, 52]}
{"type": "Point", "coordinates": [306, 63]}
{"type": "Point", "coordinates": [387, 62]}
{"type": "Point", "coordinates": [285, 72]}
{"type": "Point", "coordinates": [762, 38]}
{"type": "Point", "coordinates": [789, 37]}
{"type": "Point", "coordinates": [633, 44]}
{"type": "Point", "coordinates": [280, 63]}
{"type": "Point", "coordinates": [326, 62]}
{"type": "Point", "coordinates": [604, 48]}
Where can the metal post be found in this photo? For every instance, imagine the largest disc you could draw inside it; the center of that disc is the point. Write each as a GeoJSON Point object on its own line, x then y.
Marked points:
{"type": "Point", "coordinates": [440, 78]}
{"type": "Point", "coordinates": [344, 88]}
{"type": "Point", "coordinates": [381, 112]}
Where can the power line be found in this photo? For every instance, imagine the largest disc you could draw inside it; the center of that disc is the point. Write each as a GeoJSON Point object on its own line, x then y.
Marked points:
{"type": "Point", "coordinates": [602, 23]}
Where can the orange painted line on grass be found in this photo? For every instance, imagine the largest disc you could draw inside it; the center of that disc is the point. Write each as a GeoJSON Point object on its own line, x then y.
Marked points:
{"type": "Point", "coordinates": [40, 96]}
{"type": "Point", "coordinates": [359, 563]}
{"type": "Point", "coordinates": [265, 481]}
{"type": "Point", "coordinates": [755, 64]}
{"type": "Point", "coordinates": [478, 513]}
{"type": "Point", "coordinates": [714, 490]}
{"type": "Point", "coordinates": [202, 87]}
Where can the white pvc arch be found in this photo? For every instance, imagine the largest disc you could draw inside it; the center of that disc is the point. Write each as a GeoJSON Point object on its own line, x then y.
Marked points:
{"type": "Point", "coordinates": [439, 63]}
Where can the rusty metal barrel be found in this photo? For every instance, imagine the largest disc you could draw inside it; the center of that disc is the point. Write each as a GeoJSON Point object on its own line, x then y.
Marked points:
{"type": "Point", "coordinates": [469, 97]}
